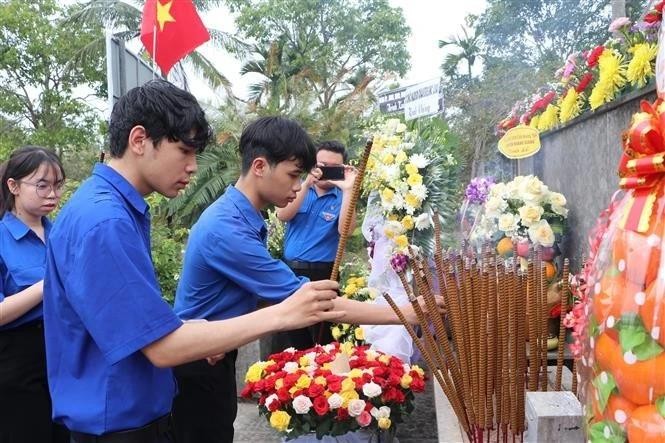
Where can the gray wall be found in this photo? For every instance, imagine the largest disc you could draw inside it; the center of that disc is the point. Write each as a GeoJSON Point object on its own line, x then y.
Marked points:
{"type": "Point", "coordinates": [580, 160]}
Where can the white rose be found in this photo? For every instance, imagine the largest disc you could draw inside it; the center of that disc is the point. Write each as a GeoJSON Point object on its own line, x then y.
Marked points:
{"type": "Point", "coordinates": [508, 222]}
{"type": "Point", "coordinates": [356, 407]}
{"type": "Point", "coordinates": [382, 412]}
{"type": "Point", "coordinates": [302, 404]}
{"type": "Point", "coordinates": [557, 199]}
{"type": "Point", "coordinates": [530, 214]}
{"type": "Point", "coordinates": [423, 221]}
{"type": "Point", "coordinates": [541, 233]}
{"type": "Point", "coordinates": [498, 190]}
{"type": "Point", "coordinates": [532, 189]}
{"type": "Point", "coordinates": [291, 367]}
{"type": "Point", "coordinates": [495, 205]}
{"type": "Point", "coordinates": [335, 401]}
{"type": "Point", "coordinates": [271, 398]}
{"type": "Point", "coordinates": [290, 350]}
{"type": "Point", "coordinates": [560, 210]}
{"type": "Point", "coordinates": [372, 390]}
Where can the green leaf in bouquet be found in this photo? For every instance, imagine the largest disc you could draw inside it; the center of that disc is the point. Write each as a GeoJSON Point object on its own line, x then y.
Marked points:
{"type": "Point", "coordinates": [634, 337]}
{"type": "Point", "coordinates": [594, 328]}
{"type": "Point", "coordinates": [557, 227]}
{"type": "Point", "coordinates": [607, 431]}
{"type": "Point", "coordinates": [605, 385]}
{"type": "Point", "coordinates": [338, 428]}
{"type": "Point", "coordinates": [660, 406]}
{"type": "Point", "coordinates": [323, 428]}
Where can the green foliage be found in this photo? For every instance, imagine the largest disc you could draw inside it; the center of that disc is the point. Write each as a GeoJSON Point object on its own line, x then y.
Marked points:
{"type": "Point", "coordinates": [324, 43]}
{"type": "Point", "coordinates": [276, 230]}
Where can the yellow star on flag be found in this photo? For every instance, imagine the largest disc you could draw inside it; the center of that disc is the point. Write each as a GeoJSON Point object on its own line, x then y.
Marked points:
{"type": "Point", "coordinates": [164, 14]}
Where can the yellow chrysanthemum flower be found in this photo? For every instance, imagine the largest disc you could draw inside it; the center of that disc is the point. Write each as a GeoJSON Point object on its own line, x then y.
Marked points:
{"type": "Point", "coordinates": [415, 180]}
{"type": "Point", "coordinates": [388, 159]}
{"type": "Point", "coordinates": [401, 241]}
{"type": "Point", "coordinates": [534, 121]}
{"type": "Point", "coordinates": [408, 223]}
{"type": "Point", "coordinates": [400, 157]}
{"type": "Point", "coordinates": [360, 282]}
{"type": "Point", "coordinates": [412, 200]}
{"type": "Point", "coordinates": [350, 289]}
{"type": "Point", "coordinates": [640, 68]}
{"type": "Point", "coordinates": [611, 77]}
{"type": "Point", "coordinates": [570, 105]}
{"type": "Point", "coordinates": [411, 169]}
{"type": "Point", "coordinates": [548, 119]}
{"type": "Point", "coordinates": [387, 195]}
{"type": "Point", "coordinates": [280, 420]}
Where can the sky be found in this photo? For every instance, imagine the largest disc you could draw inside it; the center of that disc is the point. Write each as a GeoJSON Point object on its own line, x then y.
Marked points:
{"type": "Point", "coordinates": [429, 20]}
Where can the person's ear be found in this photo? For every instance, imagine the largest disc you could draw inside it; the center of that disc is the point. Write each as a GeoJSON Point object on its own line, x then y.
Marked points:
{"type": "Point", "coordinates": [259, 166]}
{"type": "Point", "coordinates": [13, 186]}
{"type": "Point", "coordinates": [137, 139]}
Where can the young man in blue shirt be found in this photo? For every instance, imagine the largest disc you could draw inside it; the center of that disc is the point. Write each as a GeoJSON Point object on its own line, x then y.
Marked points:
{"type": "Point", "coordinates": [314, 224]}
{"type": "Point", "coordinates": [110, 338]}
{"type": "Point", "coordinates": [227, 269]}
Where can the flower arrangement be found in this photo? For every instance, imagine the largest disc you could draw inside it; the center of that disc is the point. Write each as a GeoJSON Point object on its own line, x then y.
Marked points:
{"type": "Point", "coordinates": [303, 392]}
{"type": "Point", "coordinates": [523, 208]}
{"type": "Point", "coordinates": [354, 288]}
{"type": "Point", "coordinates": [478, 189]}
{"type": "Point", "coordinates": [593, 77]}
{"type": "Point", "coordinates": [407, 174]}
{"type": "Point", "coordinates": [276, 231]}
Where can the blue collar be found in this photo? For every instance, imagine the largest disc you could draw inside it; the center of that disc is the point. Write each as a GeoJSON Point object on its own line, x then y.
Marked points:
{"type": "Point", "coordinates": [249, 212]}
{"type": "Point", "coordinates": [122, 185]}
{"type": "Point", "coordinates": [335, 191]}
{"type": "Point", "coordinates": [17, 228]}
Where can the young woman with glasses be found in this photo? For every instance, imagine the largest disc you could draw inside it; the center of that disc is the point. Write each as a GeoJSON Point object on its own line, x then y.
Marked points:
{"type": "Point", "coordinates": [30, 189]}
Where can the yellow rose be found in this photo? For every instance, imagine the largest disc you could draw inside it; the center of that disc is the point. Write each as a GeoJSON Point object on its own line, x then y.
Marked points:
{"type": "Point", "coordinates": [400, 157]}
{"type": "Point", "coordinates": [384, 359]}
{"type": "Point", "coordinates": [354, 373]}
{"type": "Point", "coordinates": [360, 282]}
{"type": "Point", "coordinates": [347, 348]}
{"type": "Point", "coordinates": [401, 241]}
{"type": "Point", "coordinates": [412, 200]}
{"type": "Point", "coordinates": [411, 169]}
{"type": "Point", "coordinates": [530, 214]}
{"type": "Point", "coordinates": [303, 361]}
{"type": "Point", "coordinates": [279, 383]}
{"type": "Point", "coordinates": [321, 380]}
{"type": "Point", "coordinates": [418, 370]}
{"type": "Point", "coordinates": [348, 384]}
{"type": "Point", "coordinates": [347, 396]}
{"type": "Point", "coordinates": [408, 223]}
{"type": "Point", "coordinates": [303, 382]}
{"type": "Point", "coordinates": [415, 180]}
{"type": "Point", "coordinates": [384, 423]}
{"type": "Point", "coordinates": [388, 159]}
{"type": "Point", "coordinates": [387, 195]}
{"type": "Point", "coordinates": [405, 381]}
{"type": "Point", "coordinates": [359, 333]}
{"type": "Point", "coordinates": [350, 289]}
{"type": "Point", "coordinates": [280, 420]}
{"type": "Point", "coordinates": [336, 332]}
{"type": "Point", "coordinates": [255, 372]}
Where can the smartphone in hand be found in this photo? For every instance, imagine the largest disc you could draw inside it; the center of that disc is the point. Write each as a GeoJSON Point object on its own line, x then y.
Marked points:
{"type": "Point", "coordinates": [332, 172]}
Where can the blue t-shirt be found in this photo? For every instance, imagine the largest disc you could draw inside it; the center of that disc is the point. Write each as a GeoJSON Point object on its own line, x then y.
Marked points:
{"type": "Point", "coordinates": [312, 235]}
{"type": "Point", "coordinates": [102, 305]}
{"type": "Point", "coordinates": [227, 267]}
{"type": "Point", "coordinates": [22, 258]}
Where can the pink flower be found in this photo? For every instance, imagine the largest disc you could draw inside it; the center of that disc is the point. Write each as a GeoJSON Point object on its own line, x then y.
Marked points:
{"type": "Point", "coordinates": [619, 23]}
{"type": "Point", "coordinates": [364, 419]}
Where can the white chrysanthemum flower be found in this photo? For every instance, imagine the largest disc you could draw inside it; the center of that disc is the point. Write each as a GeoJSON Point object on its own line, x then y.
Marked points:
{"type": "Point", "coordinates": [407, 146]}
{"type": "Point", "coordinates": [419, 160]}
{"type": "Point", "coordinates": [423, 221]}
{"type": "Point", "coordinates": [420, 191]}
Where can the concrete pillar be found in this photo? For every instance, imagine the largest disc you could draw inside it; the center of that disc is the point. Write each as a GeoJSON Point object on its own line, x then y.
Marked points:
{"type": "Point", "coordinates": [553, 417]}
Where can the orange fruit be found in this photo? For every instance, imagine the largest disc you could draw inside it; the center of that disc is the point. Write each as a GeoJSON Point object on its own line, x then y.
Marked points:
{"type": "Point", "coordinates": [617, 409]}
{"type": "Point", "coordinates": [653, 311]}
{"type": "Point", "coordinates": [638, 255]}
{"type": "Point", "coordinates": [616, 296]}
{"type": "Point", "coordinates": [640, 382]}
{"type": "Point", "coordinates": [550, 270]}
{"type": "Point", "coordinates": [505, 247]}
{"type": "Point", "coordinates": [646, 425]}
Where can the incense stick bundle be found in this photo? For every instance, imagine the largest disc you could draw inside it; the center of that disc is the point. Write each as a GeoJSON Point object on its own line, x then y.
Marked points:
{"type": "Point", "coordinates": [348, 219]}
{"type": "Point", "coordinates": [544, 334]}
{"type": "Point", "coordinates": [562, 328]}
{"type": "Point", "coordinates": [533, 329]}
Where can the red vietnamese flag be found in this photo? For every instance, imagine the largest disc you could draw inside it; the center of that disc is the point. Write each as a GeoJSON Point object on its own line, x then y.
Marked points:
{"type": "Point", "coordinates": [171, 29]}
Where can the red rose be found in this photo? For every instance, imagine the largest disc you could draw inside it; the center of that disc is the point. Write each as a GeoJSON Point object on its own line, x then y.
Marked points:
{"type": "Point", "coordinates": [314, 390]}
{"type": "Point", "coordinates": [246, 391]}
{"type": "Point", "coordinates": [323, 358]}
{"type": "Point", "coordinates": [379, 371]}
{"type": "Point", "coordinates": [283, 394]}
{"type": "Point", "coordinates": [584, 82]}
{"type": "Point", "coordinates": [321, 405]}
{"type": "Point", "coordinates": [417, 384]}
{"type": "Point", "coordinates": [335, 386]}
{"type": "Point", "coordinates": [291, 380]}
{"type": "Point", "coordinates": [342, 414]}
{"type": "Point", "coordinates": [258, 386]}
{"type": "Point", "coordinates": [394, 380]}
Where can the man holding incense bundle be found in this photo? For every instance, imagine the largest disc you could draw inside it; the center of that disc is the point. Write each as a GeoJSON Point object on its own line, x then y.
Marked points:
{"type": "Point", "coordinates": [227, 270]}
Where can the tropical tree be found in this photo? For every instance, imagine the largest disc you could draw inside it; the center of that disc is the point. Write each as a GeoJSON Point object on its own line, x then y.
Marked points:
{"type": "Point", "coordinates": [124, 18]}
{"type": "Point", "coordinates": [467, 51]}
{"type": "Point", "coordinates": [327, 42]}
{"type": "Point", "coordinates": [44, 98]}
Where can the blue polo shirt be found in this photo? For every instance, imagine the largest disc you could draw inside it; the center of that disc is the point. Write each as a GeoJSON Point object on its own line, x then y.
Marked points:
{"type": "Point", "coordinates": [22, 258]}
{"type": "Point", "coordinates": [102, 305]}
{"type": "Point", "coordinates": [227, 267]}
{"type": "Point", "coordinates": [312, 235]}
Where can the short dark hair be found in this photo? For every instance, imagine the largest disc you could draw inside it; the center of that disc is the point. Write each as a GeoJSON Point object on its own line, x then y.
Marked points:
{"type": "Point", "coordinates": [277, 139]}
{"type": "Point", "coordinates": [333, 146]}
{"type": "Point", "coordinates": [164, 110]}
{"type": "Point", "coordinates": [21, 163]}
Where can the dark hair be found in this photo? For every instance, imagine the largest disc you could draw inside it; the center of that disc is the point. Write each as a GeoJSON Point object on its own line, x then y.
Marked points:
{"type": "Point", "coordinates": [164, 110]}
{"type": "Point", "coordinates": [333, 146]}
{"type": "Point", "coordinates": [21, 163]}
{"type": "Point", "coordinates": [277, 139]}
